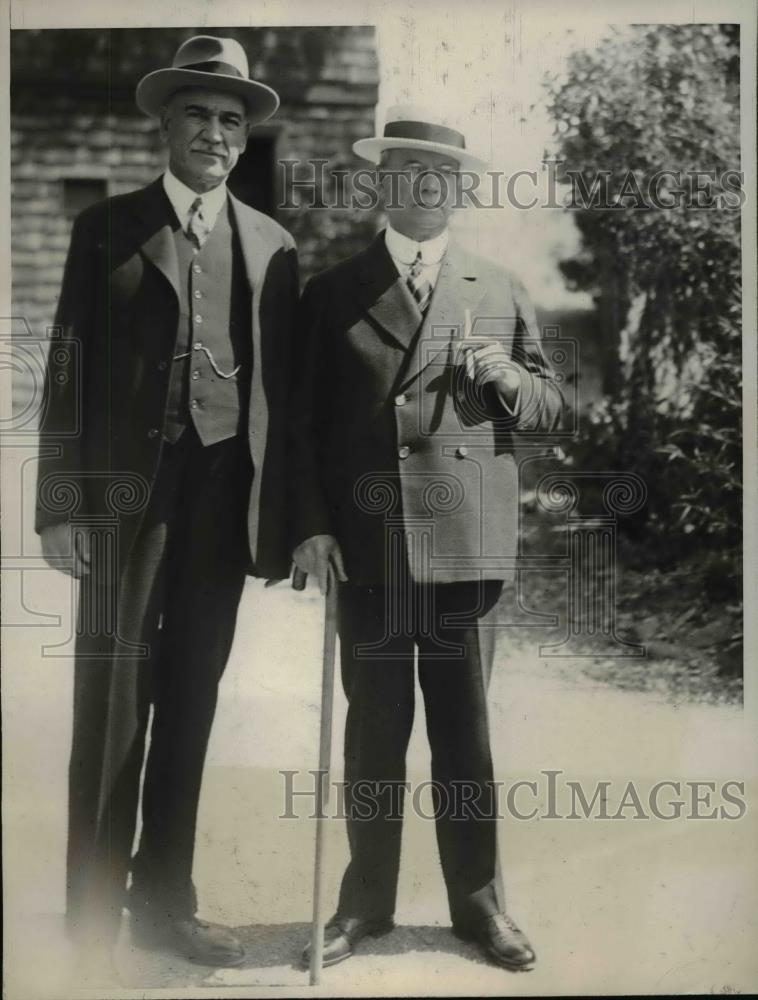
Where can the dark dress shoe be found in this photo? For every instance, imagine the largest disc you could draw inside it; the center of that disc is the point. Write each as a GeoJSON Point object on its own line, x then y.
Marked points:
{"type": "Point", "coordinates": [341, 934]}
{"type": "Point", "coordinates": [206, 944]}
{"type": "Point", "coordinates": [501, 941]}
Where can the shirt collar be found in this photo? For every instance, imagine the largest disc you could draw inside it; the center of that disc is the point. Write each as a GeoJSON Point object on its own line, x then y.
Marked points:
{"type": "Point", "coordinates": [182, 197]}
{"type": "Point", "coordinates": [405, 250]}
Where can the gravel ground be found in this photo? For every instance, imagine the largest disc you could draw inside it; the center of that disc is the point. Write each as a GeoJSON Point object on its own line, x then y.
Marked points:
{"type": "Point", "coordinates": [631, 905]}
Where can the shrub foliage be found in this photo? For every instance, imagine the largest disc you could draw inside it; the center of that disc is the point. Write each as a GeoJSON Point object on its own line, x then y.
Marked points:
{"type": "Point", "coordinates": [654, 98]}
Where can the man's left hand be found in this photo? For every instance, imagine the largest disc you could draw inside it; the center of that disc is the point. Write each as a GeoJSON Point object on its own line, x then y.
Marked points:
{"type": "Point", "coordinates": [491, 363]}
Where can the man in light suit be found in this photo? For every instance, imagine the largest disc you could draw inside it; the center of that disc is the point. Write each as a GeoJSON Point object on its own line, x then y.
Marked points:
{"type": "Point", "coordinates": [173, 344]}
{"type": "Point", "coordinates": [419, 364]}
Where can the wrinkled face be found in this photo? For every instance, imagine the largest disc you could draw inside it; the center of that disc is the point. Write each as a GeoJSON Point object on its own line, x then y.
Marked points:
{"type": "Point", "coordinates": [418, 190]}
{"type": "Point", "coordinates": [206, 131]}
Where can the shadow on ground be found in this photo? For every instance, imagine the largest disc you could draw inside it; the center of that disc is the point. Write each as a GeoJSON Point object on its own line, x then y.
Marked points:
{"type": "Point", "coordinates": [278, 948]}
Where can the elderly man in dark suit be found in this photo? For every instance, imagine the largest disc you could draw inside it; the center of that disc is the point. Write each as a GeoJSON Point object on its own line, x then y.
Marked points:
{"type": "Point", "coordinates": [173, 347]}
{"type": "Point", "coordinates": [419, 363]}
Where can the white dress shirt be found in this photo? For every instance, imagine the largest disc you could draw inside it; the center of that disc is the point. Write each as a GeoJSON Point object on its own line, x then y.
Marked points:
{"type": "Point", "coordinates": [404, 251]}
{"type": "Point", "coordinates": [182, 198]}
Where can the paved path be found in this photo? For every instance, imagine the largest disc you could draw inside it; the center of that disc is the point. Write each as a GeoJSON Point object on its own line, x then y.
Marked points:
{"type": "Point", "coordinates": [628, 905]}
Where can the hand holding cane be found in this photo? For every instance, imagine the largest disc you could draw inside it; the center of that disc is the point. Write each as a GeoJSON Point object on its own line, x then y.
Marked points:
{"type": "Point", "coordinates": [324, 764]}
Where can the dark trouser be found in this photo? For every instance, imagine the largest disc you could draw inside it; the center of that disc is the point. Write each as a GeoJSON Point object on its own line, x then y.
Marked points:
{"type": "Point", "coordinates": [179, 596]}
{"type": "Point", "coordinates": [454, 662]}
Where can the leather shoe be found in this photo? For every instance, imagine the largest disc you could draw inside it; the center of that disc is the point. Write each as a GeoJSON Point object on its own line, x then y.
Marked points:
{"type": "Point", "coordinates": [207, 944]}
{"type": "Point", "coordinates": [501, 941]}
{"type": "Point", "coordinates": [341, 934]}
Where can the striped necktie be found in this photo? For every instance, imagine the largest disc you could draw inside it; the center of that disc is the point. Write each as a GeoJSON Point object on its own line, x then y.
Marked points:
{"type": "Point", "coordinates": [421, 289]}
{"type": "Point", "coordinates": [197, 228]}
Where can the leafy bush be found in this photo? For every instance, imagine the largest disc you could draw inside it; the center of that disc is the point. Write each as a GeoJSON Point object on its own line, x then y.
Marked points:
{"type": "Point", "coordinates": [647, 99]}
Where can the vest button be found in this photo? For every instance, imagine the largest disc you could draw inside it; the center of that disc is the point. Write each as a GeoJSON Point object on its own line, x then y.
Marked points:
{"type": "Point", "coordinates": [193, 404]}
{"type": "Point", "coordinates": [197, 269]}
{"type": "Point", "coordinates": [403, 451]}
{"type": "Point", "coordinates": [198, 345]}
{"type": "Point", "coordinates": [401, 400]}
{"type": "Point", "coordinates": [162, 366]}
{"type": "Point", "coordinates": [153, 432]}
{"type": "Point", "coordinates": [198, 318]}
{"type": "Point", "coordinates": [196, 375]}
{"type": "Point", "coordinates": [198, 294]}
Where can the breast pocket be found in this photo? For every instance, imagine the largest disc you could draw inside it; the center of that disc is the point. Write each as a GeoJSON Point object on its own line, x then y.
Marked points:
{"type": "Point", "coordinates": [496, 325]}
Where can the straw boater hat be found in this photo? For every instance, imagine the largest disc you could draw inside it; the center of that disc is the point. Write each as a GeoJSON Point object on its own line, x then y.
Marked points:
{"type": "Point", "coordinates": [411, 127]}
{"type": "Point", "coordinates": [216, 63]}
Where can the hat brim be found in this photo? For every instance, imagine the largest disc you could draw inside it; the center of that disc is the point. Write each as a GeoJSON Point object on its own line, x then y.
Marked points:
{"type": "Point", "coordinates": [154, 90]}
{"type": "Point", "coordinates": [372, 149]}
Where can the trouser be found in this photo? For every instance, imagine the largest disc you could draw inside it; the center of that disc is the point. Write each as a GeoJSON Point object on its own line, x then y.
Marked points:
{"type": "Point", "coordinates": [453, 627]}
{"type": "Point", "coordinates": [178, 596]}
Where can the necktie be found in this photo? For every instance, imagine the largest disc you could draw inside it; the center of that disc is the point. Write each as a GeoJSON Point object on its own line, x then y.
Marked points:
{"type": "Point", "coordinates": [420, 288]}
{"type": "Point", "coordinates": [197, 228]}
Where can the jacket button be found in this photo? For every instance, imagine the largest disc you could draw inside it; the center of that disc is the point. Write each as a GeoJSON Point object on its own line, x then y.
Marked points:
{"type": "Point", "coordinates": [461, 451]}
{"type": "Point", "coordinates": [403, 451]}
{"type": "Point", "coordinates": [162, 366]}
{"type": "Point", "coordinates": [153, 432]}
{"type": "Point", "coordinates": [401, 400]}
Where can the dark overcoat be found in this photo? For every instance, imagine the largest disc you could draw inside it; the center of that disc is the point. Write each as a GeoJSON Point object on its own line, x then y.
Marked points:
{"type": "Point", "coordinates": [394, 450]}
{"type": "Point", "coordinates": [100, 445]}
{"type": "Point", "coordinates": [110, 362]}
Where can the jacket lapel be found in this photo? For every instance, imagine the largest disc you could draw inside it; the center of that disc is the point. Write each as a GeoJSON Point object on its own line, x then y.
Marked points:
{"type": "Point", "coordinates": [255, 250]}
{"type": "Point", "coordinates": [457, 290]}
{"type": "Point", "coordinates": [157, 220]}
{"type": "Point", "coordinates": [385, 295]}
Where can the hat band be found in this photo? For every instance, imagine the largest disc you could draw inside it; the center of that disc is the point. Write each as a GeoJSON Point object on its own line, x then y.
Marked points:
{"type": "Point", "coordinates": [425, 132]}
{"type": "Point", "coordinates": [214, 66]}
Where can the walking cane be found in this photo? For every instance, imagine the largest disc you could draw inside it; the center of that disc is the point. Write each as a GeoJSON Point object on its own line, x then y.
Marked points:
{"type": "Point", "coordinates": [324, 765]}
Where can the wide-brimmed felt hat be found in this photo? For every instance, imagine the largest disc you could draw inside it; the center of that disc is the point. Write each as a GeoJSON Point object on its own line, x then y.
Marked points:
{"type": "Point", "coordinates": [213, 63]}
{"type": "Point", "coordinates": [411, 127]}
